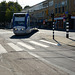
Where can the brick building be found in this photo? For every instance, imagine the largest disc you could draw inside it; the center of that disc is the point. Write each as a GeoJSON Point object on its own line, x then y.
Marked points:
{"type": "Point", "coordinates": [42, 12]}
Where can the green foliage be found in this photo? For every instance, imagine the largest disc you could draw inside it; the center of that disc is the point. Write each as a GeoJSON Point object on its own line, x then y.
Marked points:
{"type": "Point", "coordinates": [8, 17]}
{"type": "Point", "coordinates": [3, 7]}
{"type": "Point", "coordinates": [26, 7]}
{"type": "Point", "coordinates": [7, 10]}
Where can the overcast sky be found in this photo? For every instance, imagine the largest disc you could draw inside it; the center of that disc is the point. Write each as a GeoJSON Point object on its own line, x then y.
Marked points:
{"type": "Point", "coordinates": [26, 2]}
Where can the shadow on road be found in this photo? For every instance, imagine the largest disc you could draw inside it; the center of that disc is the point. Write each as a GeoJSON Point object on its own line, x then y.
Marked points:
{"type": "Point", "coordinates": [57, 42]}
{"type": "Point", "coordinates": [23, 36]}
{"type": "Point", "coordinates": [71, 39]}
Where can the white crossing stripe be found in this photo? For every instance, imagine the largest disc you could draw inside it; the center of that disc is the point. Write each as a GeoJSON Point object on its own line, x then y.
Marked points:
{"type": "Point", "coordinates": [39, 44]}
{"type": "Point", "coordinates": [2, 50]}
{"type": "Point", "coordinates": [15, 47]}
{"type": "Point", "coordinates": [26, 45]}
{"type": "Point", "coordinates": [48, 42]}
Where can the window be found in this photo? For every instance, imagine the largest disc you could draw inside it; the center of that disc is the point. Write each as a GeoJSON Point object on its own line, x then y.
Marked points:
{"type": "Point", "coordinates": [19, 23]}
{"type": "Point", "coordinates": [62, 9]}
{"type": "Point", "coordinates": [74, 1]}
{"type": "Point", "coordinates": [59, 10]}
{"type": "Point", "coordinates": [19, 15]}
{"type": "Point", "coordinates": [51, 3]}
{"type": "Point", "coordinates": [55, 10]}
{"type": "Point", "coordinates": [56, 5]}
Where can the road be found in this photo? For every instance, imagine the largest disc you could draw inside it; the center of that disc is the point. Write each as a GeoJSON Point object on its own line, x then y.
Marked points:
{"type": "Point", "coordinates": [33, 55]}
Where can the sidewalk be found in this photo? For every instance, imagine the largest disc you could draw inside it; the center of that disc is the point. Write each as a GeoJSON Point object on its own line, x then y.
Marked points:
{"type": "Point", "coordinates": [60, 40]}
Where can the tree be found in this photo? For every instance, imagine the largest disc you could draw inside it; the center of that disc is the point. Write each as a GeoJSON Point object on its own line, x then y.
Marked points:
{"type": "Point", "coordinates": [3, 7]}
{"type": "Point", "coordinates": [17, 6]}
{"type": "Point", "coordinates": [7, 10]}
{"type": "Point", "coordinates": [8, 17]}
{"type": "Point", "coordinates": [26, 7]}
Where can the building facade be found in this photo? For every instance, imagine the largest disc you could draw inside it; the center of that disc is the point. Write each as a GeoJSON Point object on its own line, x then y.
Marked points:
{"type": "Point", "coordinates": [61, 8]}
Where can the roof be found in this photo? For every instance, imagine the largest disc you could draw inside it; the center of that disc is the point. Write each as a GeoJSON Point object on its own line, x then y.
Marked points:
{"type": "Point", "coordinates": [20, 13]}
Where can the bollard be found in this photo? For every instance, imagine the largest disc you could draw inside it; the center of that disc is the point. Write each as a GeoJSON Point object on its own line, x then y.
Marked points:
{"type": "Point", "coordinates": [52, 16]}
{"type": "Point", "coordinates": [53, 30]}
{"type": "Point", "coordinates": [67, 29]}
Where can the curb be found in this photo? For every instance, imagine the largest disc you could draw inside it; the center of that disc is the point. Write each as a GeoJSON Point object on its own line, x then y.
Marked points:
{"type": "Point", "coordinates": [59, 41]}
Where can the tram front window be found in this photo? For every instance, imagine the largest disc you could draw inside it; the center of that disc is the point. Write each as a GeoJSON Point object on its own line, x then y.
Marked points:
{"type": "Point", "coordinates": [19, 23]}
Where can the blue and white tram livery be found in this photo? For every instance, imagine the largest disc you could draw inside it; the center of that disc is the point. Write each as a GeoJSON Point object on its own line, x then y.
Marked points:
{"type": "Point", "coordinates": [21, 23]}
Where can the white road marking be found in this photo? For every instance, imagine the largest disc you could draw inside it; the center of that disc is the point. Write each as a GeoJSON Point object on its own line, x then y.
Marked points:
{"type": "Point", "coordinates": [44, 60]}
{"type": "Point", "coordinates": [48, 42]}
{"type": "Point", "coordinates": [6, 32]}
{"type": "Point", "coordinates": [39, 44]}
{"type": "Point", "coordinates": [26, 45]}
{"type": "Point", "coordinates": [15, 47]}
{"type": "Point", "coordinates": [2, 50]}
{"type": "Point", "coordinates": [26, 39]}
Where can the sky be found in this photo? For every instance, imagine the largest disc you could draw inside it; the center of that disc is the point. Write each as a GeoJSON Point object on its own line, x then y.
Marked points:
{"type": "Point", "coordinates": [25, 2]}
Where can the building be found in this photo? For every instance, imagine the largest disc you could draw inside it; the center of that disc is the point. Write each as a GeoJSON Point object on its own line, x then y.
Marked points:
{"type": "Point", "coordinates": [61, 8]}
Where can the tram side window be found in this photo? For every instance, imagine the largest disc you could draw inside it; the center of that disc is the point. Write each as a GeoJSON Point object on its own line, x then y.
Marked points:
{"type": "Point", "coordinates": [28, 21]}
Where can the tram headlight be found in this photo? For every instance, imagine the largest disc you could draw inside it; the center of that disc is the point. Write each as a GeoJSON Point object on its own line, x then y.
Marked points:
{"type": "Point", "coordinates": [15, 28]}
{"type": "Point", "coordinates": [22, 29]}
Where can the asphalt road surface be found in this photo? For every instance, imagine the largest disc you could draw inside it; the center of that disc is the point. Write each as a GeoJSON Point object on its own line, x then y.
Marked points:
{"type": "Point", "coordinates": [33, 55]}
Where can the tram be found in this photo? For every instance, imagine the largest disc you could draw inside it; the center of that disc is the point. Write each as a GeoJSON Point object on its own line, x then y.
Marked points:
{"type": "Point", "coordinates": [21, 23]}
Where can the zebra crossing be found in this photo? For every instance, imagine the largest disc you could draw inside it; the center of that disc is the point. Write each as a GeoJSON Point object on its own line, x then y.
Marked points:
{"type": "Point", "coordinates": [15, 47]}
{"type": "Point", "coordinates": [48, 42]}
{"type": "Point", "coordinates": [26, 45]}
{"type": "Point", "coordinates": [39, 44]}
{"type": "Point", "coordinates": [2, 49]}
{"type": "Point", "coordinates": [18, 46]}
